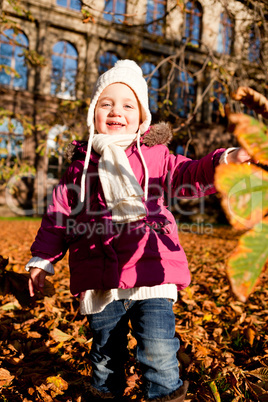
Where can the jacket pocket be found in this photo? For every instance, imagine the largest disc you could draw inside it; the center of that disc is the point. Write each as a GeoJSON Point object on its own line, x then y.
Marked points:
{"type": "Point", "coordinates": [162, 238]}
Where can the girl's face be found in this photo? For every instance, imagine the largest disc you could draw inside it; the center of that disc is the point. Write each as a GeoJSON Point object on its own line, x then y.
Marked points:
{"type": "Point", "coordinates": [117, 111]}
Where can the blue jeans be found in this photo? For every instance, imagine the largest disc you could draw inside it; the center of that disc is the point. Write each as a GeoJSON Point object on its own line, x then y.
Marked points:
{"type": "Point", "coordinates": [153, 326]}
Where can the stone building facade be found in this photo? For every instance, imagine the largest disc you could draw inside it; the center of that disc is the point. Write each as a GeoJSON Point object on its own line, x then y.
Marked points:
{"type": "Point", "coordinates": [177, 43]}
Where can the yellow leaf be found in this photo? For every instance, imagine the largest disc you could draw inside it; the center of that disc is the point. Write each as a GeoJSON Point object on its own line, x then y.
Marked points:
{"type": "Point", "coordinates": [56, 348]}
{"type": "Point", "coordinates": [202, 351]}
{"type": "Point", "coordinates": [250, 335]}
{"type": "Point", "coordinates": [57, 385]}
{"type": "Point", "coordinates": [207, 317]}
{"type": "Point", "coordinates": [215, 391]}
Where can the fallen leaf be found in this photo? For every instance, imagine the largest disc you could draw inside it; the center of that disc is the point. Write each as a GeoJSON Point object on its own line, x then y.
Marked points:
{"type": "Point", "coordinates": [57, 385]}
{"type": "Point", "coordinates": [5, 377]}
{"type": "Point", "coordinates": [60, 336]}
{"type": "Point", "coordinates": [250, 334]}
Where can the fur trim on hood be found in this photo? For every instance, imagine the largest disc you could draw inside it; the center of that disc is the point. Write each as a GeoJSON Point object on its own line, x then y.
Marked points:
{"type": "Point", "coordinates": [158, 134]}
{"type": "Point", "coordinates": [75, 150]}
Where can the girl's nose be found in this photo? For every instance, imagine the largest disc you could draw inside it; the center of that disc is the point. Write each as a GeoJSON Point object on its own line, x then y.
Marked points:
{"type": "Point", "coordinates": [115, 111]}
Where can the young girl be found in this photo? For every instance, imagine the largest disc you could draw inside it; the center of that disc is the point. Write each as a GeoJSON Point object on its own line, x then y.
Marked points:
{"type": "Point", "coordinates": [125, 258]}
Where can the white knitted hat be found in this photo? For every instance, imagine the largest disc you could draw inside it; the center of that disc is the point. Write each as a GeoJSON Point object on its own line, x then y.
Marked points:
{"type": "Point", "coordinates": [129, 73]}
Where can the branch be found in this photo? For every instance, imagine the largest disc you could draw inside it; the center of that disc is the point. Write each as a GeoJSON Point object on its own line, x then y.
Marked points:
{"type": "Point", "coordinates": [145, 24]}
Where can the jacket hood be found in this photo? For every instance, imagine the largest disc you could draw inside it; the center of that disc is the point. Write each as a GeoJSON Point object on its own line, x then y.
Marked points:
{"type": "Point", "coordinates": [158, 134]}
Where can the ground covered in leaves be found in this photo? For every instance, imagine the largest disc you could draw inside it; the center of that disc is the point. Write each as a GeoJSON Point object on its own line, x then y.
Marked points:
{"type": "Point", "coordinates": [44, 348]}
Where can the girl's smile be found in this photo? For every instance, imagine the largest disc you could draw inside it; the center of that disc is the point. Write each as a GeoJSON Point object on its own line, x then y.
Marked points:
{"type": "Point", "coordinates": [117, 111]}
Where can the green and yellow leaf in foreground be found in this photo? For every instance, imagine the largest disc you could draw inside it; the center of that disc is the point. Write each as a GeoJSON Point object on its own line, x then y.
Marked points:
{"type": "Point", "coordinates": [246, 263]}
{"type": "Point", "coordinates": [244, 191]}
{"type": "Point", "coordinates": [252, 136]}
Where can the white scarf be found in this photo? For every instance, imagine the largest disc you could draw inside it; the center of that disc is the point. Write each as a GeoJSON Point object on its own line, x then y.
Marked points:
{"type": "Point", "coordinates": [122, 192]}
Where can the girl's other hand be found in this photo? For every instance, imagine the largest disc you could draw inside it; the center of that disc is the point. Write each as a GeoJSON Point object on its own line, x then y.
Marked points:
{"type": "Point", "coordinates": [239, 155]}
{"type": "Point", "coordinates": [36, 280]}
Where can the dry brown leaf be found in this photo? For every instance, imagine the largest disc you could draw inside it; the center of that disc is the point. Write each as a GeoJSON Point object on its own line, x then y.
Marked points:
{"type": "Point", "coordinates": [5, 377]}
{"type": "Point", "coordinates": [42, 390]}
{"type": "Point", "coordinates": [252, 99]}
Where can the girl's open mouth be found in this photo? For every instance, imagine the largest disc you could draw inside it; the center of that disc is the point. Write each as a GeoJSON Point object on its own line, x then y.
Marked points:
{"type": "Point", "coordinates": [114, 123]}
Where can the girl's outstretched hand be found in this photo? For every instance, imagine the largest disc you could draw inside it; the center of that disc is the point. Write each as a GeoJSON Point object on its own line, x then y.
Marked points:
{"type": "Point", "coordinates": [238, 155]}
{"type": "Point", "coordinates": [37, 280]}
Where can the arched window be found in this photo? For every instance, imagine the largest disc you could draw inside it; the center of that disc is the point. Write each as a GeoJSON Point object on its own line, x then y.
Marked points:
{"type": "Point", "coordinates": [64, 70]}
{"type": "Point", "coordinates": [156, 9]}
{"type": "Point", "coordinates": [106, 61]}
{"type": "Point", "coordinates": [13, 70]}
{"type": "Point", "coordinates": [185, 94]}
{"type": "Point", "coordinates": [153, 85]}
{"type": "Point", "coordinates": [72, 4]}
{"type": "Point", "coordinates": [193, 22]}
{"type": "Point", "coordinates": [226, 34]}
{"type": "Point", "coordinates": [11, 139]}
{"type": "Point", "coordinates": [254, 49]}
{"type": "Point", "coordinates": [114, 10]}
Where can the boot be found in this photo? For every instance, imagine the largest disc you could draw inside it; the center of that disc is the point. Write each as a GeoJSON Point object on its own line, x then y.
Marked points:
{"type": "Point", "coordinates": [94, 395]}
{"type": "Point", "coordinates": [176, 396]}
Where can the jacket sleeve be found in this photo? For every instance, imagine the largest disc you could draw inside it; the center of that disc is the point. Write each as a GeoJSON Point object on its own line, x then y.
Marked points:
{"type": "Point", "coordinates": [185, 177]}
{"type": "Point", "coordinates": [51, 242]}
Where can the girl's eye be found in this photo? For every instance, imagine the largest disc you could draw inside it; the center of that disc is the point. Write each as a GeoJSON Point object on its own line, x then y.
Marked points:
{"type": "Point", "coordinates": [129, 106]}
{"type": "Point", "coordinates": [106, 104]}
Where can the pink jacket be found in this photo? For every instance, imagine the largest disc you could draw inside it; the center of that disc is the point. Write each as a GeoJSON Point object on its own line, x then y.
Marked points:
{"type": "Point", "coordinates": [103, 255]}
